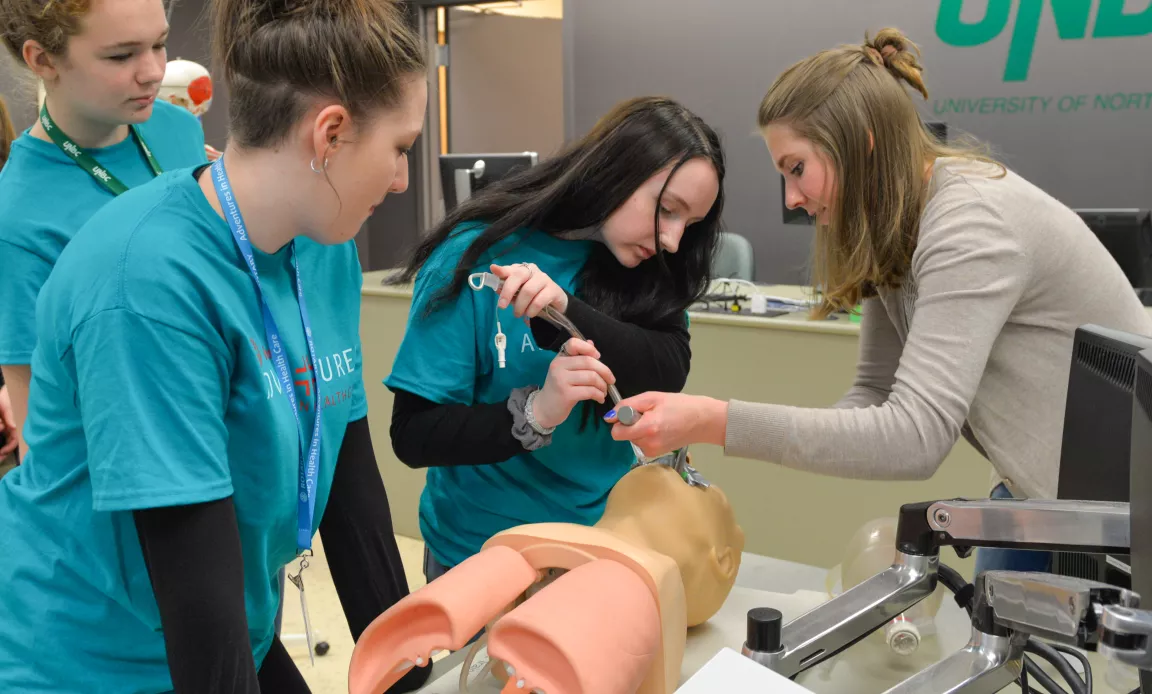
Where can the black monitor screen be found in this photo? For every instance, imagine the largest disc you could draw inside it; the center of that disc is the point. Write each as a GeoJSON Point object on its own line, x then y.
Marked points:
{"type": "Point", "coordinates": [1127, 234]}
{"type": "Point", "coordinates": [470, 173]}
{"type": "Point", "coordinates": [1096, 445]}
{"type": "Point", "coordinates": [1140, 505]}
{"type": "Point", "coordinates": [1094, 451]}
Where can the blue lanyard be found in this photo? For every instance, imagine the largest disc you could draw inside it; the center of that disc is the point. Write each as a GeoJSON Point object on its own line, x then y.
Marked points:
{"type": "Point", "coordinates": [306, 500]}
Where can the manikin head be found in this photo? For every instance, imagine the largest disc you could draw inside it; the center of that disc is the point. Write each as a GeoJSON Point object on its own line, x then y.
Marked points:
{"type": "Point", "coordinates": [694, 526]}
{"type": "Point", "coordinates": [336, 90]}
{"type": "Point", "coordinates": [100, 61]}
{"type": "Point", "coordinates": [843, 130]}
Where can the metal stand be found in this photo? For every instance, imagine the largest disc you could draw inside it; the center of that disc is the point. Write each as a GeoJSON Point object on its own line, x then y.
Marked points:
{"type": "Point", "coordinates": [321, 648]}
{"type": "Point", "coordinates": [1077, 526]}
{"type": "Point", "coordinates": [1011, 607]}
{"type": "Point", "coordinates": [463, 180]}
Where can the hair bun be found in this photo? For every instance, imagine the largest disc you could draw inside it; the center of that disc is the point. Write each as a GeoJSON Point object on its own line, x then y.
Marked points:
{"type": "Point", "coordinates": [893, 50]}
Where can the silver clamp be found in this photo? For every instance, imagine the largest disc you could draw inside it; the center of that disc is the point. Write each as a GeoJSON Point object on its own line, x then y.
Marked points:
{"type": "Point", "coordinates": [1057, 608]}
{"type": "Point", "coordinates": [1125, 635]}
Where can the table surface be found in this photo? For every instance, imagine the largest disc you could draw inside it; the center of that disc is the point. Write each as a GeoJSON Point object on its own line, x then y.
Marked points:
{"type": "Point", "coordinates": [839, 324]}
{"type": "Point", "coordinates": [793, 588]}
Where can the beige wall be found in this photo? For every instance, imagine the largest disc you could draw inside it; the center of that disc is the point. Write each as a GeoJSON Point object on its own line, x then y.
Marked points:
{"type": "Point", "coordinates": [551, 9]}
{"type": "Point", "coordinates": [506, 83]}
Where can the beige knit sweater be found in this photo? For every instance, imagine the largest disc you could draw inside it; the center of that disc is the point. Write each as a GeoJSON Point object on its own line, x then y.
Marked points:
{"type": "Point", "coordinates": [977, 343]}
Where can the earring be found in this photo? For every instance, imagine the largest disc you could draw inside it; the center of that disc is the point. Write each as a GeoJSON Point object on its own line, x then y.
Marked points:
{"type": "Point", "coordinates": [312, 166]}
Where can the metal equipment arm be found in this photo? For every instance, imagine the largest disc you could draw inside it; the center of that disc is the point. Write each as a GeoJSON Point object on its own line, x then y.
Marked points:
{"type": "Point", "coordinates": [1010, 607]}
{"type": "Point", "coordinates": [1084, 526]}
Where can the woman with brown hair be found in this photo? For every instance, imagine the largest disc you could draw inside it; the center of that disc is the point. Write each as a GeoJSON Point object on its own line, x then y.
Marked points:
{"type": "Point", "coordinates": [973, 281]}
{"type": "Point", "coordinates": [194, 420]}
{"type": "Point", "coordinates": [98, 133]}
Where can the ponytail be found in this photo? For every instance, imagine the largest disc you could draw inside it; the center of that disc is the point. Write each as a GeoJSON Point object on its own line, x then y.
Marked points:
{"type": "Point", "coordinates": [891, 49]}
{"type": "Point", "coordinates": [277, 55]}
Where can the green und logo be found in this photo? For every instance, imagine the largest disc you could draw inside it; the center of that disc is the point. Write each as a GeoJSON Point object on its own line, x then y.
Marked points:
{"type": "Point", "coordinates": [1112, 21]}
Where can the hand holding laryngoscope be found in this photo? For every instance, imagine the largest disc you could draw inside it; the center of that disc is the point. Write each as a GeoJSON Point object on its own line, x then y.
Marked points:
{"type": "Point", "coordinates": [575, 375]}
{"type": "Point", "coordinates": [625, 415]}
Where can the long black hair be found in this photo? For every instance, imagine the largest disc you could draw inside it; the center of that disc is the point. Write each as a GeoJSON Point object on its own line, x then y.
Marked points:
{"type": "Point", "coordinates": [579, 189]}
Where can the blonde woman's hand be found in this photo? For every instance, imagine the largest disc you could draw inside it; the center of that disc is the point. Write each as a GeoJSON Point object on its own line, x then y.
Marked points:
{"type": "Point", "coordinates": [671, 421]}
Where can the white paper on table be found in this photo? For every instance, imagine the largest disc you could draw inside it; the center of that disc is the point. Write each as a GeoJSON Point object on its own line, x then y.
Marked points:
{"type": "Point", "coordinates": [732, 673]}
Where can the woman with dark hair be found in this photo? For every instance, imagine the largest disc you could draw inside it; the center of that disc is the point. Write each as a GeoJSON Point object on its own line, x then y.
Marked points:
{"type": "Point", "coordinates": [616, 232]}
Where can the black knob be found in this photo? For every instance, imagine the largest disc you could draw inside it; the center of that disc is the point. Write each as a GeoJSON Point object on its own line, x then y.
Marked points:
{"type": "Point", "coordinates": [764, 624]}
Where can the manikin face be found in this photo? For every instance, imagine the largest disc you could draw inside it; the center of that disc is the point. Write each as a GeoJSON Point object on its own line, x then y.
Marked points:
{"type": "Point", "coordinates": [629, 232]}
{"type": "Point", "coordinates": [368, 165]}
{"type": "Point", "coordinates": [809, 178]}
{"type": "Point", "coordinates": [112, 70]}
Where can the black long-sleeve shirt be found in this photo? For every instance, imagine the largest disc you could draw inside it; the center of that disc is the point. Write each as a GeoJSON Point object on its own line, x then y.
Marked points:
{"type": "Point", "coordinates": [194, 561]}
{"type": "Point", "coordinates": [428, 434]}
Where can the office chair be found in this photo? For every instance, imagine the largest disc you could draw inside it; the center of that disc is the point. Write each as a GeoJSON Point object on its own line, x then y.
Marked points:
{"type": "Point", "coordinates": [734, 259]}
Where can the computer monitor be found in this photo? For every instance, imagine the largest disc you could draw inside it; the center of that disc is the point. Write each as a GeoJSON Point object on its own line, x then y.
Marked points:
{"type": "Point", "coordinates": [462, 175]}
{"type": "Point", "coordinates": [1095, 450]}
{"type": "Point", "coordinates": [1140, 504]}
{"type": "Point", "coordinates": [1127, 234]}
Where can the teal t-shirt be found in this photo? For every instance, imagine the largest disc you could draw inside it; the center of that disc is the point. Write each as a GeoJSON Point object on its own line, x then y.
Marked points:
{"type": "Point", "coordinates": [450, 357]}
{"type": "Point", "coordinates": [45, 198]}
{"type": "Point", "coordinates": [152, 386]}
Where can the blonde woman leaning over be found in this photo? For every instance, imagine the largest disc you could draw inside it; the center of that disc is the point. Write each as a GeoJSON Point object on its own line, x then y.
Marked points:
{"type": "Point", "coordinates": [972, 280]}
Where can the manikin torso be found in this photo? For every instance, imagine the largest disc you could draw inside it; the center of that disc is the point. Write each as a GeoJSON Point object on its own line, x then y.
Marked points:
{"type": "Point", "coordinates": [571, 609]}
